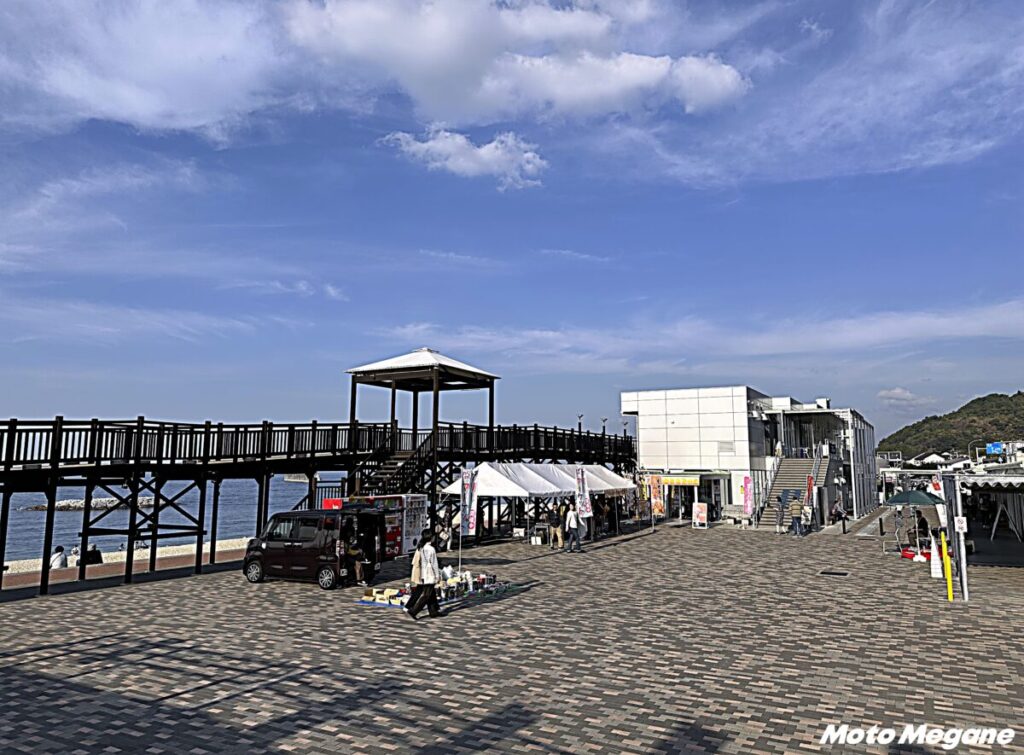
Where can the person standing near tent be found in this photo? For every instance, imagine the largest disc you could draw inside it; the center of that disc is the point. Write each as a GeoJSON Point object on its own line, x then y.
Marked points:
{"type": "Point", "coordinates": [555, 528]}
{"type": "Point", "coordinates": [572, 530]}
{"type": "Point", "coordinates": [425, 574]}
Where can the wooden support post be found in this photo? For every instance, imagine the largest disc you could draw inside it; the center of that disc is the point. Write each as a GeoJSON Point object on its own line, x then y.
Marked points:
{"type": "Point", "coordinates": [56, 446]}
{"type": "Point", "coordinates": [133, 517]}
{"type": "Point", "coordinates": [437, 441]}
{"type": "Point", "coordinates": [202, 522]}
{"type": "Point", "coordinates": [415, 418]}
{"type": "Point", "coordinates": [394, 416]}
{"type": "Point", "coordinates": [5, 512]}
{"type": "Point", "coordinates": [213, 520]}
{"type": "Point", "coordinates": [261, 485]}
{"type": "Point", "coordinates": [133, 501]}
{"type": "Point", "coordinates": [490, 417]}
{"type": "Point", "coordinates": [353, 431]}
{"type": "Point", "coordinates": [8, 491]}
{"type": "Point", "coordinates": [311, 490]}
{"type": "Point", "coordinates": [154, 520]}
{"type": "Point", "coordinates": [90, 486]}
{"type": "Point", "coordinates": [202, 482]}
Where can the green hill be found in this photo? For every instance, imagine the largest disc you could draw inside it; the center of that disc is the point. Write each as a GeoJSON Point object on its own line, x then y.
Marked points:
{"type": "Point", "coordinates": [989, 418]}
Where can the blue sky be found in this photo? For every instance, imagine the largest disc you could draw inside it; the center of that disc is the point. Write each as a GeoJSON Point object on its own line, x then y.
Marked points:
{"type": "Point", "coordinates": [210, 210]}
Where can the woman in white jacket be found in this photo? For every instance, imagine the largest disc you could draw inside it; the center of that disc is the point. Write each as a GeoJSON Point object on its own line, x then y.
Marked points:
{"type": "Point", "coordinates": [425, 574]}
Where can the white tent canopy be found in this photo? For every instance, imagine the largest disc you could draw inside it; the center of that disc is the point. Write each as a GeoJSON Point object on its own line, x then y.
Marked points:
{"type": "Point", "coordinates": [497, 480]}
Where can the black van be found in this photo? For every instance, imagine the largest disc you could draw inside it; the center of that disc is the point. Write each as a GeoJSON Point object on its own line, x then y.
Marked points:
{"type": "Point", "coordinates": [307, 545]}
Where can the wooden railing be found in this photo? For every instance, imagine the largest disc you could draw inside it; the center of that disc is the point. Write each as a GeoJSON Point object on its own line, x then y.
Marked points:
{"type": "Point", "coordinates": [60, 442]}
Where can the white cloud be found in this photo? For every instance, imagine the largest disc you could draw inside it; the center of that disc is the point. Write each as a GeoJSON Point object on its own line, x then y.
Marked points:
{"type": "Point", "coordinates": [514, 162]}
{"type": "Point", "coordinates": [476, 61]}
{"type": "Point", "coordinates": [335, 293]}
{"type": "Point", "coordinates": [181, 65]}
{"type": "Point", "coordinates": [904, 401]}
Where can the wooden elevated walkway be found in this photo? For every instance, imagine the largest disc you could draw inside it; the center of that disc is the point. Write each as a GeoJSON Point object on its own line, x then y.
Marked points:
{"type": "Point", "coordinates": [142, 455]}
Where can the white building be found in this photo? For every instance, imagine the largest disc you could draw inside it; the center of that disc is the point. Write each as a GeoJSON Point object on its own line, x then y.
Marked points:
{"type": "Point", "coordinates": [722, 445]}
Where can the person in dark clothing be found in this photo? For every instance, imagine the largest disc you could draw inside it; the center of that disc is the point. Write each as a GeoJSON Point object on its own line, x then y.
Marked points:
{"type": "Point", "coordinates": [351, 551]}
{"type": "Point", "coordinates": [555, 529]}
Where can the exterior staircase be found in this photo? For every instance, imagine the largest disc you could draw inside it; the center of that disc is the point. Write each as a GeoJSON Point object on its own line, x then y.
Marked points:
{"type": "Point", "coordinates": [792, 475]}
{"type": "Point", "coordinates": [401, 472]}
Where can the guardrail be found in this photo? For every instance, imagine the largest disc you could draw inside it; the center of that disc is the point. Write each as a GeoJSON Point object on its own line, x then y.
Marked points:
{"type": "Point", "coordinates": [59, 442]}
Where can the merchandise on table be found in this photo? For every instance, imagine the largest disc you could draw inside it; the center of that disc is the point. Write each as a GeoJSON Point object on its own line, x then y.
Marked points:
{"type": "Point", "coordinates": [452, 587]}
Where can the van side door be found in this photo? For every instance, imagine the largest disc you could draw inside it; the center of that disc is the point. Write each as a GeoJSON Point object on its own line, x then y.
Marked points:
{"type": "Point", "coordinates": [304, 553]}
{"type": "Point", "coordinates": [277, 550]}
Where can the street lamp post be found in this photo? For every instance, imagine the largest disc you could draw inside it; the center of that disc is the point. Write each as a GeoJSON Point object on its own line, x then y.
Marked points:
{"type": "Point", "coordinates": [978, 440]}
{"type": "Point", "coordinates": [604, 422]}
{"type": "Point", "coordinates": [579, 419]}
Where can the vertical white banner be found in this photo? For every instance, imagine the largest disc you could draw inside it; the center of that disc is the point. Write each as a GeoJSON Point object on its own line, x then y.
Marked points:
{"type": "Point", "coordinates": [468, 503]}
{"type": "Point", "coordinates": [583, 506]}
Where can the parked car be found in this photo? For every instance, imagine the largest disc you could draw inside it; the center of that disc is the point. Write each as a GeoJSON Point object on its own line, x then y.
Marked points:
{"type": "Point", "coordinates": [307, 545]}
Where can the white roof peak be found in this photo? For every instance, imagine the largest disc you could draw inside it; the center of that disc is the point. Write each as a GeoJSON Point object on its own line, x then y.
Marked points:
{"type": "Point", "coordinates": [421, 358]}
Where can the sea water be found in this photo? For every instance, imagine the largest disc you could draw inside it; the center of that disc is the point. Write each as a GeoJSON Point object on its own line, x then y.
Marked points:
{"type": "Point", "coordinates": [236, 515]}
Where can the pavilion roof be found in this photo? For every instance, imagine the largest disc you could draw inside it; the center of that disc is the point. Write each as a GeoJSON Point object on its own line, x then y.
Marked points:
{"type": "Point", "coordinates": [413, 370]}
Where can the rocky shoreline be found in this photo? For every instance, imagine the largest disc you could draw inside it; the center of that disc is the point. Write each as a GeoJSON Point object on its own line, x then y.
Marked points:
{"type": "Point", "coordinates": [78, 504]}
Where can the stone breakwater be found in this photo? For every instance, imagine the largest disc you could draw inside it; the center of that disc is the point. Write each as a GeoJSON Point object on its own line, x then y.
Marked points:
{"type": "Point", "coordinates": [78, 504]}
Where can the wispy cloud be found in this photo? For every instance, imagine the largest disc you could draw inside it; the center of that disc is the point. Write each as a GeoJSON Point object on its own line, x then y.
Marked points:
{"type": "Point", "coordinates": [83, 321]}
{"type": "Point", "coordinates": [458, 259]}
{"type": "Point", "coordinates": [335, 293]}
{"type": "Point", "coordinates": [679, 345]}
{"type": "Point", "coordinates": [569, 254]}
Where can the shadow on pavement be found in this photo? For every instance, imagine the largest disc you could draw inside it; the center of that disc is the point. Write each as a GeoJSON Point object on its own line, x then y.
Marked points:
{"type": "Point", "coordinates": [100, 583]}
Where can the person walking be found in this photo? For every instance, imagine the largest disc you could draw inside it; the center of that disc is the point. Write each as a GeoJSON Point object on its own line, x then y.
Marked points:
{"type": "Point", "coordinates": [572, 530]}
{"type": "Point", "coordinates": [425, 575]}
{"type": "Point", "coordinates": [555, 529]}
{"type": "Point", "coordinates": [780, 516]}
{"type": "Point", "coordinates": [796, 513]}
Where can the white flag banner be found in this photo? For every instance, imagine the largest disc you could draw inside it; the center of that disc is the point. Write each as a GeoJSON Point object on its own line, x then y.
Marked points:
{"type": "Point", "coordinates": [583, 506]}
{"type": "Point", "coordinates": [468, 507]}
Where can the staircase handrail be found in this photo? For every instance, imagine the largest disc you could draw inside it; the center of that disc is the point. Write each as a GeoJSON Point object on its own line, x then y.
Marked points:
{"type": "Point", "coordinates": [772, 471]}
{"type": "Point", "coordinates": [423, 453]}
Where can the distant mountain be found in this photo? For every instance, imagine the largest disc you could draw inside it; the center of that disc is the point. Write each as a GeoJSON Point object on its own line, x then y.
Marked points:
{"type": "Point", "coordinates": [989, 418]}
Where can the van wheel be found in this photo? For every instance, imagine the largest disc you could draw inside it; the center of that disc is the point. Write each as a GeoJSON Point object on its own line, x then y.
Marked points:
{"type": "Point", "coordinates": [326, 578]}
{"type": "Point", "coordinates": [254, 572]}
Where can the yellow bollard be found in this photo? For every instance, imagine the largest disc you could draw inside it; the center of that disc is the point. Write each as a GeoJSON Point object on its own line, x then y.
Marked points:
{"type": "Point", "coordinates": [947, 570]}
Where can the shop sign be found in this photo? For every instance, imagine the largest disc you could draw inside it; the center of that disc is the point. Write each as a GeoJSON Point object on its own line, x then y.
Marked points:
{"type": "Point", "coordinates": [960, 524]}
{"type": "Point", "coordinates": [748, 497]}
{"type": "Point", "coordinates": [700, 515]}
{"type": "Point", "coordinates": [677, 480]}
{"type": "Point", "coordinates": [332, 503]}
{"type": "Point", "coordinates": [993, 449]}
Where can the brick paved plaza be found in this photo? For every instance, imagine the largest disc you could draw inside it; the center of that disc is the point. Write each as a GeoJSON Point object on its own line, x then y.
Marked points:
{"type": "Point", "coordinates": [717, 640]}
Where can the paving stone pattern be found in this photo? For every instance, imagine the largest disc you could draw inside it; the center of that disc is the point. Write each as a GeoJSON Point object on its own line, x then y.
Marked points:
{"type": "Point", "coordinates": [681, 641]}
